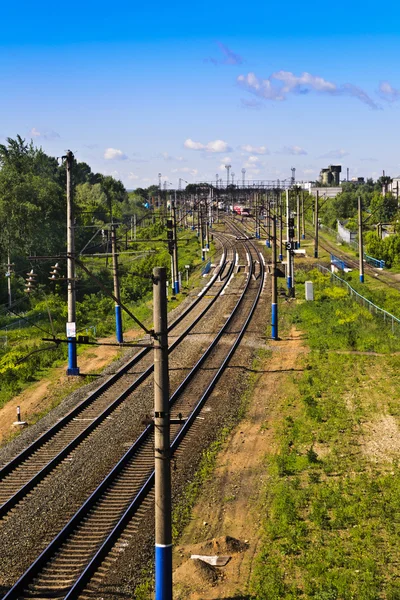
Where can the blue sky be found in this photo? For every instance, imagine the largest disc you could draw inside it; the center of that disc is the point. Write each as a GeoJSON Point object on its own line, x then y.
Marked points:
{"type": "Point", "coordinates": [183, 89]}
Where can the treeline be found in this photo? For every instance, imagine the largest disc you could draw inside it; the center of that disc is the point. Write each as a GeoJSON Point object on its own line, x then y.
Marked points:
{"type": "Point", "coordinates": [33, 206]}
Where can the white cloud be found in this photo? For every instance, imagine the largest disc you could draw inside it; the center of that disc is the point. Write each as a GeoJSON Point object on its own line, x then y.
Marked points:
{"type": "Point", "coordinates": [132, 176]}
{"type": "Point", "coordinates": [335, 154]}
{"type": "Point", "coordinates": [388, 93]}
{"type": "Point", "coordinates": [215, 146]}
{"type": "Point", "coordinates": [293, 150]}
{"type": "Point", "coordinates": [186, 170]}
{"type": "Point", "coordinates": [46, 135]}
{"type": "Point", "coordinates": [255, 149]}
{"type": "Point", "coordinates": [114, 154]}
{"type": "Point", "coordinates": [281, 83]}
{"type": "Point", "coordinates": [167, 157]}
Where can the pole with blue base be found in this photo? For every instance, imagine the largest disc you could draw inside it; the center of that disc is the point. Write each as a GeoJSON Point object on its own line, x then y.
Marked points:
{"type": "Point", "coordinates": [274, 305]}
{"type": "Point", "coordinates": [71, 296]}
{"type": "Point", "coordinates": [175, 250]}
{"type": "Point", "coordinates": [360, 240]}
{"type": "Point", "coordinates": [162, 459]}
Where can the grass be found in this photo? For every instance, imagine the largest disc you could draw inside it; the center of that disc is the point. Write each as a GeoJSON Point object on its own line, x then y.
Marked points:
{"type": "Point", "coordinates": [331, 513]}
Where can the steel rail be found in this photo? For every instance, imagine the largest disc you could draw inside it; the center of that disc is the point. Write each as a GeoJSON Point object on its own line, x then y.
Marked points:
{"type": "Point", "coordinates": [53, 547]}
{"type": "Point", "coordinates": [100, 555]}
{"type": "Point", "coordinates": [29, 451]}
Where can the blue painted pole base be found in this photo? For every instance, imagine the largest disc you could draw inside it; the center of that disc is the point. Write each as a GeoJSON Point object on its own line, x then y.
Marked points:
{"type": "Point", "coordinates": [176, 287]}
{"type": "Point", "coordinates": [289, 283]}
{"type": "Point", "coordinates": [274, 321]}
{"type": "Point", "coordinates": [281, 257]}
{"type": "Point", "coordinates": [118, 324]}
{"type": "Point", "coordinates": [73, 368]}
{"type": "Point", "coordinates": [303, 237]}
{"type": "Point", "coordinates": [163, 569]}
{"type": "Point", "coordinates": [361, 278]}
{"type": "Point", "coordinates": [268, 244]}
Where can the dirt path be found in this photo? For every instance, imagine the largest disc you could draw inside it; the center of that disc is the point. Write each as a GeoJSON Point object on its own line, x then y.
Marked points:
{"type": "Point", "coordinates": [229, 505]}
{"type": "Point", "coordinates": [41, 396]}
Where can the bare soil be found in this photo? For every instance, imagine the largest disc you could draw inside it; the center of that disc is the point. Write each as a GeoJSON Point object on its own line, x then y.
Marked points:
{"type": "Point", "coordinates": [229, 507]}
{"type": "Point", "coordinates": [39, 397]}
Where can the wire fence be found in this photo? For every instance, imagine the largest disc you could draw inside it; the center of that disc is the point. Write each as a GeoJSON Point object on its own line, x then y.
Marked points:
{"type": "Point", "coordinates": [387, 317]}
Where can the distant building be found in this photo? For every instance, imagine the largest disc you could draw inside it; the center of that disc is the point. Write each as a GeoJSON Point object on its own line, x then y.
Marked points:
{"type": "Point", "coordinates": [331, 175]}
{"type": "Point", "coordinates": [394, 187]}
{"type": "Point", "coordinates": [328, 192]}
{"type": "Point", "coordinates": [358, 180]}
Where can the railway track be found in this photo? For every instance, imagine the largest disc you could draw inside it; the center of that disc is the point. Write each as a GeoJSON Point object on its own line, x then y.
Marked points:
{"type": "Point", "coordinates": [352, 262]}
{"type": "Point", "coordinates": [25, 471]}
{"type": "Point", "coordinates": [74, 563]}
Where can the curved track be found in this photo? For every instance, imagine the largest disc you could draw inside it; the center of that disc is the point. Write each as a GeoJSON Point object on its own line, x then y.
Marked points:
{"type": "Point", "coordinates": [33, 464]}
{"type": "Point", "coordinates": [73, 558]}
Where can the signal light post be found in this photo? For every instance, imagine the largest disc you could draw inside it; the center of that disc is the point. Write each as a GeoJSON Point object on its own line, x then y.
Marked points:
{"type": "Point", "coordinates": [71, 324]}
{"type": "Point", "coordinates": [162, 458]}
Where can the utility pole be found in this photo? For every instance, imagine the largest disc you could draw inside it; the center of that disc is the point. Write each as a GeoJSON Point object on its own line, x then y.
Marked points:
{"type": "Point", "coordinates": [316, 226]}
{"type": "Point", "coordinates": [8, 275]}
{"type": "Point", "coordinates": [71, 294]}
{"type": "Point", "coordinates": [279, 196]}
{"type": "Point", "coordinates": [274, 305]}
{"type": "Point", "coordinates": [118, 313]}
{"type": "Point", "coordinates": [288, 249]}
{"type": "Point", "coordinates": [162, 458]}
{"type": "Point", "coordinates": [298, 218]}
{"type": "Point", "coordinates": [360, 240]}
{"type": "Point", "coordinates": [175, 251]}
{"type": "Point", "coordinates": [303, 218]}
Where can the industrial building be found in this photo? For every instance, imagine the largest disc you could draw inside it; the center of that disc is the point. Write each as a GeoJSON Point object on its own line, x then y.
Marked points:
{"type": "Point", "coordinates": [331, 175]}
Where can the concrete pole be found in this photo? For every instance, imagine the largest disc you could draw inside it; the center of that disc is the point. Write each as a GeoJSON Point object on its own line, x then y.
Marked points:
{"type": "Point", "coordinates": [298, 219]}
{"type": "Point", "coordinates": [288, 252]}
{"type": "Point", "coordinates": [280, 226]}
{"type": "Point", "coordinates": [9, 268]}
{"type": "Point", "coordinates": [162, 459]}
{"type": "Point", "coordinates": [175, 252]}
{"type": "Point", "coordinates": [118, 313]}
{"type": "Point", "coordinates": [360, 240]}
{"type": "Point", "coordinates": [303, 218]}
{"type": "Point", "coordinates": [316, 226]}
{"type": "Point", "coordinates": [71, 294]}
{"type": "Point", "coordinates": [274, 305]}
{"type": "Point", "coordinates": [268, 213]}
{"type": "Point", "coordinates": [134, 227]}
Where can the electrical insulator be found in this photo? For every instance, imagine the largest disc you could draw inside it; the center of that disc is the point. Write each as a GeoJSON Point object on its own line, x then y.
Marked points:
{"type": "Point", "coordinates": [30, 282]}
{"type": "Point", "coordinates": [55, 272]}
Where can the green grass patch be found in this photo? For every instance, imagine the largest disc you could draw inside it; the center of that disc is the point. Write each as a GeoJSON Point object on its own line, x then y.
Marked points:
{"type": "Point", "coordinates": [331, 513]}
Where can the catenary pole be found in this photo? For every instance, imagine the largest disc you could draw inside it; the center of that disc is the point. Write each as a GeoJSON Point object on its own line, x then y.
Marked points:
{"type": "Point", "coordinates": [360, 240]}
{"type": "Point", "coordinates": [298, 218]}
{"type": "Point", "coordinates": [288, 252]}
{"type": "Point", "coordinates": [162, 459]}
{"type": "Point", "coordinates": [118, 312]}
{"type": "Point", "coordinates": [71, 291]}
{"type": "Point", "coordinates": [303, 218]}
{"type": "Point", "coordinates": [274, 305]}
{"type": "Point", "coordinates": [175, 251]}
{"type": "Point", "coordinates": [316, 226]}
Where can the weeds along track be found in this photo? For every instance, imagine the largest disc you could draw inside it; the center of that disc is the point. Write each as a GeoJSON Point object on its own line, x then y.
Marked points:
{"type": "Point", "coordinates": [76, 560]}
{"type": "Point", "coordinates": [332, 248]}
{"type": "Point", "coordinates": [23, 473]}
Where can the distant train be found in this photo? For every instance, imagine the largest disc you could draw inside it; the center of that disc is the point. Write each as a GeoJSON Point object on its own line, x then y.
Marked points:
{"type": "Point", "coordinates": [241, 210]}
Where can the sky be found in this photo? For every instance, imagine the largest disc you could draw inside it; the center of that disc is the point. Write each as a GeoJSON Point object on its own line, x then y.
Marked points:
{"type": "Point", "coordinates": [137, 89]}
